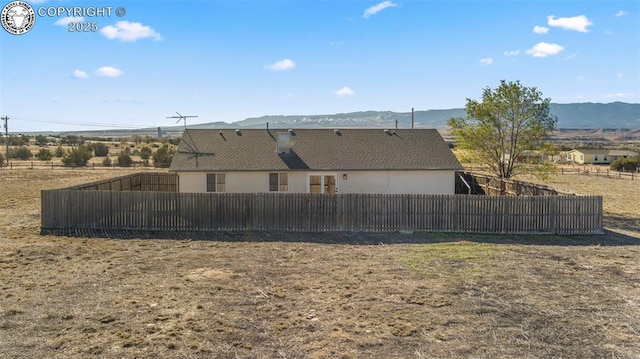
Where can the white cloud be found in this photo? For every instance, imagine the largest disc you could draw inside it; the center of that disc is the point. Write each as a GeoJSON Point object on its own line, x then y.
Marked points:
{"type": "Point", "coordinates": [512, 53]}
{"type": "Point", "coordinates": [282, 65]}
{"type": "Point", "coordinates": [344, 91]}
{"type": "Point", "coordinates": [619, 75]}
{"type": "Point", "coordinates": [108, 71]}
{"type": "Point", "coordinates": [377, 8]}
{"type": "Point", "coordinates": [486, 61]}
{"type": "Point", "coordinates": [129, 32]}
{"type": "Point", "coordinates": [66, 20]}
{"type": "Point", "coordinates": [576, 23]}
{"type": "Point", "coordinates": [79, 74]}
{"type": "Point", "coordinates": [540, 29]}
{"type": "Point", "coordinates": [608, 32]}
{"type": "Point", "coordinates": [621, 13]}
{"type": "Point", "coordinates": [543, 49]}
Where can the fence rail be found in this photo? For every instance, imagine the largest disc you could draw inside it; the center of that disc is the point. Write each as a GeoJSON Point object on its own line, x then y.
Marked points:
{"type": "Point", "coordinates": [599, 172]}
{"type": "Point", "coordinates": [143, 181]}
{"type": "Point", "coordinates": [494, 186]}
{"type": "Point", "coordinates": [142, 210]}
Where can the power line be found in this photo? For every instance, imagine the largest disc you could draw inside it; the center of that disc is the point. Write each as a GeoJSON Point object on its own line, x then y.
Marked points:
{"type": "Point", "coordinates": [92, 124]}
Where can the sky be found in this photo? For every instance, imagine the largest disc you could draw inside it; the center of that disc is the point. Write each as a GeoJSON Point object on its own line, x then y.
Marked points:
{"type": "Point", "coordinates": [227, 60]}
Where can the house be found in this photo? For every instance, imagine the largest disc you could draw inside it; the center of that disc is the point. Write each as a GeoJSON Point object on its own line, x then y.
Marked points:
{"type": "Point", "coordinates": [601, 156]}
{"type": "Point", "coordinates": [315, 161]}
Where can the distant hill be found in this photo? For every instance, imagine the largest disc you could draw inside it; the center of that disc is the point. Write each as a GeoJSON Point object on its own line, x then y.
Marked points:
{"type": "Point", "coordinates": [570, 116]}
{"type": "Point", "coordinates": [573, 115]}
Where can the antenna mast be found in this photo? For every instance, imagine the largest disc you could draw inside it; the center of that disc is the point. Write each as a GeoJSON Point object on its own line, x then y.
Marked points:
{"type": "Point", "coordinates": [182, 118]}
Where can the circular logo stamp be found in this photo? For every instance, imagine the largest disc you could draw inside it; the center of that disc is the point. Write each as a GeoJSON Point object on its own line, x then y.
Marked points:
{"type": "Point", "coordinates": [18, 17]}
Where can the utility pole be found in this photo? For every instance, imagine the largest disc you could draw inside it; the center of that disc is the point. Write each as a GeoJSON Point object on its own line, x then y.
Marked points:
{"type": "Point", "coordinates": [6, 136]}
{"type": "Point", "coordinates": [181, 118]}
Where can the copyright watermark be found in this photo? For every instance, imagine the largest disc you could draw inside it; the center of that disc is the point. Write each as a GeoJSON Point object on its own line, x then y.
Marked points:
{"type": "Point", "coordinates": [19, 17]}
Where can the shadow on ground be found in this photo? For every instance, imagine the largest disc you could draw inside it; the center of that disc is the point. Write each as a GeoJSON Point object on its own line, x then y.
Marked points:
{"type": "Point", "coordinates": [609, 238]}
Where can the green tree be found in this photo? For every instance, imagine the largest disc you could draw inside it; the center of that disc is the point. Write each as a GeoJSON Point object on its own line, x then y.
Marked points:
{"type": "Point", "coordinates": [163, 156]}
{"type": "Point", "coordinates": [145, 153]}
{"type": "Point", "coordinates": [99, 149]}
{"type": "Point", "coordinates": [124, 159]}
{"type": "Point", "coordinates": [21, 153]}
{"type": "Point", "coordinates": [498, 130]}
{"type": "Point", "coordinates": [77, 156]}
{"type": "Point", "coordinates": [41, 140]}
{"type": "Point", "coordinates": [44, 155]}
{"type": "Point", "coordinates": [59, 151]}
{"type": "Point", "coordinates": [626, 164]}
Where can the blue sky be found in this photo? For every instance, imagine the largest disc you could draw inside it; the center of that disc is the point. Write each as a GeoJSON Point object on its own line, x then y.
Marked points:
{"type": "Point", "coordinates": [229, 60]}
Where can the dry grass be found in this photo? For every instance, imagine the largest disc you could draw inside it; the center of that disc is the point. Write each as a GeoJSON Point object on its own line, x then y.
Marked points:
{"type": "Point", "coordinates": [428, 296]}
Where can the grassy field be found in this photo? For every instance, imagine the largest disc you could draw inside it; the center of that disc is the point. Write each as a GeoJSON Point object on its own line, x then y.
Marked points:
{"type": "Point", "coordinates": [277, 295]}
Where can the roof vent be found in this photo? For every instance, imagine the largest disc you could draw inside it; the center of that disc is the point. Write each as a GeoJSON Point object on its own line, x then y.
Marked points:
{"type": "Point", "coordinates": [283, 143]}
{"type": "Point", "coordinates": [337, 132]}
{"type": "Point", "coordinates": [238, 133]}
{"type": "Point", "coordinates": [291, 132]}
{"type": "Point", "coordinates": [388, 132]}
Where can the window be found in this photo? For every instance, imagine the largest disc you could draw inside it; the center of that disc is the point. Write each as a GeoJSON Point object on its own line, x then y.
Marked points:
{"type": "Point", "coordinates": [278, 182]}
{"type": "Point", "coordinates": [595, 158]}
{"type": "Point", "coordinates": [216, 182]}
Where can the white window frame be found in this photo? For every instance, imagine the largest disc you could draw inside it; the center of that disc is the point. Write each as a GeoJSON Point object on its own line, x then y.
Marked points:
{"type": "Point", "coordinates": [279, 184]}
{"type": "Point", "coordinates": [216, 185]}
{"type": "Point", "coordinates": [322, 181]}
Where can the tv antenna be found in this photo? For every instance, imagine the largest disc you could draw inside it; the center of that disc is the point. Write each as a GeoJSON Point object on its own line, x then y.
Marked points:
{"type": "Point", "coordinates": [181, 118]}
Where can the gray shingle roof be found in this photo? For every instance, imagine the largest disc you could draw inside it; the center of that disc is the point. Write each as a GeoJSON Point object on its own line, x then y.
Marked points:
{"type": "Point", "coordinates": [314, 149]}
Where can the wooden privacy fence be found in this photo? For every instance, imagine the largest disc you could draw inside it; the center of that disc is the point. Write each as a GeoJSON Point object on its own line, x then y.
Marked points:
{"type": "Point", "coordinates": [495, 186]}
{"type": "Point", "coordinates": [152, 181]}
{"type": "Point", "coordinates": [141, 210]}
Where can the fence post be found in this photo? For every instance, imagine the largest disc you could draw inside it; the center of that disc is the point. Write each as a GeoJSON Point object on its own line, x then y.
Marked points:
{"type": "Point", "coordinates": [553, 221]}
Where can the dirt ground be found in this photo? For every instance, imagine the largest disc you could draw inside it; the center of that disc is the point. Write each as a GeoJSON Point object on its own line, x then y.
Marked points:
{"type": "Point", "coordinates": [279, 295]}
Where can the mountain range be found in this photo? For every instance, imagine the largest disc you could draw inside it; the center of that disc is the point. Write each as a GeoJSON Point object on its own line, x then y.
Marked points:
{"type": "Point", "coordinates": [573, 115]}
{"type": "Point", "coordinates": [615, 115]}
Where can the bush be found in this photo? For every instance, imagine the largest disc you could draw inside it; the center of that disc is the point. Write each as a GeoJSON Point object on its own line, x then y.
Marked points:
{"type": "Point", "coordinates": [163, 156]}
{"type": "Point", "coordinates": [59, 151]}
{"type": "Point", "coordinates": [44, 155]}
{"type": "Point", "coordinates": [626, 164]}
{"type": "Point", "coordinates": [145, 153]}
{"type": "Point", "coordinates": [78, 156]}
{"type": "Point", "coordinates": [99, 149]}
{"type": "Point", "coordinates": [124, 159]}
{"type": "Point", "coordinates": [21, 153]}
{"type": "Point", "coordinates": [1, 160]}
{"type": "Point", "coordinates": [107, 161]}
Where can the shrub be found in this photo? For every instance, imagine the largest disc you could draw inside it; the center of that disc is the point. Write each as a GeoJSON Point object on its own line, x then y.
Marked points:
{"type": "Point", "coordinates": [626, 164]}
{"type": "Point", "coordinates": [21, 153]}
{"type": "Point", "coordinates": [99, 149]}
{"type": "Point", "coordinates": [59, 151]}
{"type": "Point", "coordinates": [1, 160]}
{"type": "Point", "coordinates": [106, 161]}
{"type": "Point", "coordinates": [163, 156]}
{"type": "Point", "coordinates": [124, 159]}
{"type": "Point", "coordinates": [145, 153]}
{"type": "Point", "coordinates": [44, 155]}
{"type": "Point", "coordinates": [78, 156]}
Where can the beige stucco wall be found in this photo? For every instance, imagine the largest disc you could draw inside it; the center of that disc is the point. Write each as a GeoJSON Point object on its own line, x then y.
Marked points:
{"type": "Point", "coordinates": [392, 182]}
